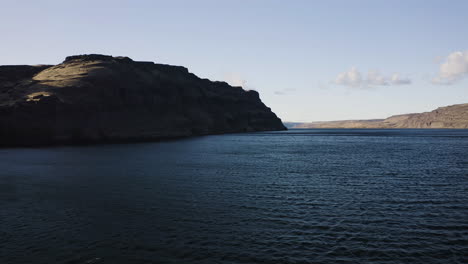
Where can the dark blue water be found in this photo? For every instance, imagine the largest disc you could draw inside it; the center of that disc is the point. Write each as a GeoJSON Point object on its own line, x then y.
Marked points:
{"type": "Point", "coordinates": [302, 196]}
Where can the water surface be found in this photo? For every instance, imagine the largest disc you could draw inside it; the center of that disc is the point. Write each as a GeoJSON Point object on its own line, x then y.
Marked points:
{"type": "Point", "coordinates": [300, 196]}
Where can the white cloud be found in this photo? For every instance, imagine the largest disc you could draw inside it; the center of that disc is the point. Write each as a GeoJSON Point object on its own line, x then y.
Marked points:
{"type": "Point", "coordinates": [350, 78]}
{"type": "Point", "coordinates": [396, 79]}
{"type": "Point", "coordinates": [353, 78]}
{"type": "Point", "coordinates": [454, 68]}
{"type": "Point", "coordinates": [323, 86]}
{"type": "Point", "coordinates": [375, 78]}
{"type": "Point", "coordinates": [285, 91]}
{"type": "Point", "coordinates": [235, 79]}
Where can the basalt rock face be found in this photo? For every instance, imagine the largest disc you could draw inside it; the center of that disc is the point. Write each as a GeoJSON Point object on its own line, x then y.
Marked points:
{"type": "Point", "coordinates": [454, 116]}
{"type": "Point", "coordinates": [98, 98]}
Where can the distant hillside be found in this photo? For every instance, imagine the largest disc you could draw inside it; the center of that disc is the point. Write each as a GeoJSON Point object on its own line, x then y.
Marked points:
{"type": "Point", "coordinates": [454, 116]}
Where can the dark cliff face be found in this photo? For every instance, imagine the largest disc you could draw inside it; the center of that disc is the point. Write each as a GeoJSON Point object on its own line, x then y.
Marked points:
{"type": "Point", "coordinates": [98, 98]}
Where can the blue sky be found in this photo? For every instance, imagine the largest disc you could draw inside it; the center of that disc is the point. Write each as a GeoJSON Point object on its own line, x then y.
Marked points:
{"type": "Point", "coordinates": [310, 60]}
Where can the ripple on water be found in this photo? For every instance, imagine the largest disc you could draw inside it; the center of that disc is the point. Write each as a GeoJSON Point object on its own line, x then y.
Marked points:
{"type": "Point", "coordinates": [308, 196]}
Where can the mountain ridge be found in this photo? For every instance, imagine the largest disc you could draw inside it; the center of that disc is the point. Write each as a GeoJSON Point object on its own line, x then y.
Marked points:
{"type": "Point", "coordinates": [452, 116]}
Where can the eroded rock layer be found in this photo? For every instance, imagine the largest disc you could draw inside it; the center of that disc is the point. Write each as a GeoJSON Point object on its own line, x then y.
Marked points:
{"type": "Point", "coordinates": [454, 116]}
{"type": "Point", "coordinates": [98, 98]}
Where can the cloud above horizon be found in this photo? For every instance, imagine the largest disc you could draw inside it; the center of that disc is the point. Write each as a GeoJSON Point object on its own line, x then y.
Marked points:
{"type": "Point", "coordinates": [453, 69]}
{"type": "Point", "coordinates": [284, 91]}
{"type": "Point", "coordinates": [234, 79]}
{"type": "Point", "coordinates": [354, 78]}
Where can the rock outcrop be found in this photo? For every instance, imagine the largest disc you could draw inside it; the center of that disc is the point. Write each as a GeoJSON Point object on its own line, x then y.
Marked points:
{"type": "Point", "coordinates": [454, 116]}
{"type": "Point", "coordinates": [99, 98]}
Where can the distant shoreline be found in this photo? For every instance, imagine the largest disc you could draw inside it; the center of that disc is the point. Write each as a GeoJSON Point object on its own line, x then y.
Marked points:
{"type": "Point", "coordinates": [448, 117]}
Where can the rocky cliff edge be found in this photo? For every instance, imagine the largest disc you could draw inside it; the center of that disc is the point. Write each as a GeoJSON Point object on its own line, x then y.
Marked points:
{"type": "Point", "coordinates": [99, 98]}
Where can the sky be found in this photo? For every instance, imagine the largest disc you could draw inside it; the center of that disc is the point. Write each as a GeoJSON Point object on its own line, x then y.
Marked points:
{"type": "Point", "coordinates": [309, 60]}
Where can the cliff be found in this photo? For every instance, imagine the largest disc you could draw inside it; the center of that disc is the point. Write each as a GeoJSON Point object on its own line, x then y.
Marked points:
{"type": "Point", "coordinates": [454, 116]}
{"type": "Point", "coordinates": [98, 98]}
